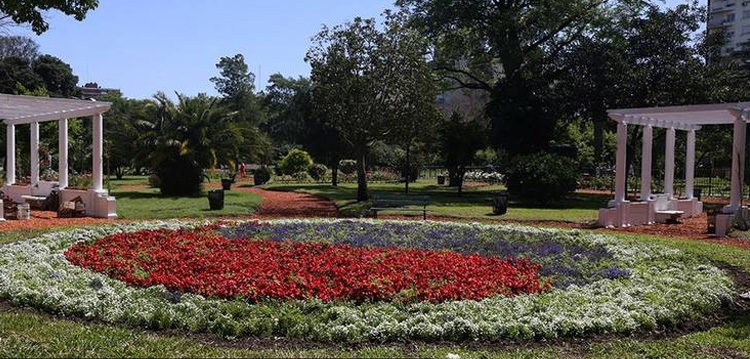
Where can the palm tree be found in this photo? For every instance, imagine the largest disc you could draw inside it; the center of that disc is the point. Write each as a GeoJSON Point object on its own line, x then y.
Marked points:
{"type": "Point", "coordinates": [195, 133]}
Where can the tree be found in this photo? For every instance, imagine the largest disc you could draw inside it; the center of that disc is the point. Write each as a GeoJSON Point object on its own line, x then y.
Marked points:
{"type": "Point", "coordinates": [459, 142]}
{"type": "Point", "coordinates": [235, 81]}
{"type": "Point", "coordinates": [416, 114]}
{"type": "Point", "coordinates": [18, 46]}
{"type": "Point", "coordinates": [17, 75]}
{"type": "Point", "coordinates": [288, 103]}
{"type": "Point", "coordinates": [57, 76]}
{"type": "Point", "coordinates": [357, 72]}
{"type": "Point", "coordinates": [30, 11]}
{"type": "Point", "coordinates": [46, 72]}
{"type": "Point", "coordinates": [122, 134]}
{"type": "Point", "coordinates": [506, 48]}
{"type": "Point", "coordinates": [235, 84]}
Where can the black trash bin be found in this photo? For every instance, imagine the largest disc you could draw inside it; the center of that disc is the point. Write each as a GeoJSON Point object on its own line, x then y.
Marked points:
{"type": "Point", "coordinates": [216, 199]}
{"type": "Point", "coordinates": [697, 192]}
{"type": "Point", "coordinates": [500, 203]}
{"type": "Point", "coordinates": [441, 180]}
{"type": "Point", "coordinates": [226, 183]}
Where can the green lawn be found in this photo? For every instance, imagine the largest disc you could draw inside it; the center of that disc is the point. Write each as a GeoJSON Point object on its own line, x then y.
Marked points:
{"type": "Point", "coordinates": [147, 203]}
{"type": "Point", "coordinates": [473, 203]}
{"type": "Point", "coordinates": [28, 333]}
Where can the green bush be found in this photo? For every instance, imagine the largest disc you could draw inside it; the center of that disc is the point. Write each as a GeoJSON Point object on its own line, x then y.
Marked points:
{"type": "Point", "coordinates": [347, 167]}
{"type": "Point", "coordinates": [153, 181]}
{"type": "Point", "coordinates": [179, 176]}
{"type": "Point", "coordinates": [542, 177]}
{"type": "Point", "coordinates": [301, 177]}
{"type": "Point", "coordinates": [262, 175]}
{"type": "Point", "coordinates": [295, 161]}
{"type": "Point", "coordinates": [318, 171]}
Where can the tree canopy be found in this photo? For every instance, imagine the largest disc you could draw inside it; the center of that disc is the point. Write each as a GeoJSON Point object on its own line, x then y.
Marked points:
{"type": "Point", "coordinates": [30, 11]}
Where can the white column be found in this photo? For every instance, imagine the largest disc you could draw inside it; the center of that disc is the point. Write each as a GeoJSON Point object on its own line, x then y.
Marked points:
{"type": "Point", "coordinates": [648, 142]}
{"type": "Point", "coordinates": [620, 164]}
{"type": "Point", "coordinates": [10, 154]}
{"type": "Point", "coordinates": [669, 163]}
{"type": "Point", "coordinates": [34, 153]}
{"type": "Point", "coordinates": [690, 164]}
{"type": "Point", "coordinates": [738, 164]}
{"type": "Point", "coordinates": [62, 162]}
{"type": "Point", "coordinates": [97, 168]}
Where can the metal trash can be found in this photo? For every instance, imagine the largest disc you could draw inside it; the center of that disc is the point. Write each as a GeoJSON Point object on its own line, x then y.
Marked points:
{"type": "Point", "coordinates": [216, 199]}
{"type": "Point", "coordinates": [500, 203]}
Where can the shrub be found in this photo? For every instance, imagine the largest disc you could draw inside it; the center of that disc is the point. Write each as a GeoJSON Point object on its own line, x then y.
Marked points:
{"type": "Point", "coordinates": [301, 177]}
{"type": "Point", "coordinates": [153, 181]}
{"type": "Point", "coordinates": [295, 161]}
{"type": "Point", "coordinates": [542, 177]}
{"type": "Point", "coordinates": [347, 167]}
{"type": "Point", "coordinates": [262, 175]}
{"type": "Point", "coordinates": [179, 176]}
{"type": "Point", "coordinates": [318, 171]}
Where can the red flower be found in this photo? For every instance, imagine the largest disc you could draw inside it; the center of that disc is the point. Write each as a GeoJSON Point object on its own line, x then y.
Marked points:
{"type": "Point", "coordinates": [203, 262]}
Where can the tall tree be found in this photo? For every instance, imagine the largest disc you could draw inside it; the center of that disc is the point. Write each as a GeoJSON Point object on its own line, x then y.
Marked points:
{"type": "Point", "coordinates": [16, 76]}
{"type": "Point", "coordinates": [460, 139]}
{"type": "Point", "coordinates": [288, 102]}
{"type": "Point", "coordinates": [506, 48]}
{"type": "Point", "coordinates": [57, 76]}
{"type": "Point", "coordinates": [235, 84]}
{"type": "Point", "coordinates": [31, 11]}
{"type": "Point", "coordinates": [416, 114]}
{"type": "Point", "coordinates": [18, 46]}
{"type": "Point", "coordinates": [356, 74]}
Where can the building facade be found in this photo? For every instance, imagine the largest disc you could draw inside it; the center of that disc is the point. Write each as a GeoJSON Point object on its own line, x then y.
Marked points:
{"type": "Point", "coordinates": [732, 17]}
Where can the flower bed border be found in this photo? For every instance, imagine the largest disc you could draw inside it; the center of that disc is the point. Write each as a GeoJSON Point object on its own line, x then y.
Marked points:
{"type": "Point", "coordinates": [667, 287]}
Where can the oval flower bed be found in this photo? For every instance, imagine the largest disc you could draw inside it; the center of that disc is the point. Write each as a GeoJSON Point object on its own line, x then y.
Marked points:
{"type": "Point", "coordinates": [599, 284]}
{"type": "Point", "coordinates": [199, 261]}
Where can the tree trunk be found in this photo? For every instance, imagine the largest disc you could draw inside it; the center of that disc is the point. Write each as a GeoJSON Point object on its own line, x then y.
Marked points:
{"type": "Point", "coordinates": [599, 124]}
{"type": "Point", "coordinates": [407, 176]}
{"type": "Point", "coordinates": [335, 174]}
{"type": "Point", "coordinates": [461, 173]}
{"type": "Point", "coordinates": [454, 180]}
{"type": "Point", "coordinates": [362, 194]}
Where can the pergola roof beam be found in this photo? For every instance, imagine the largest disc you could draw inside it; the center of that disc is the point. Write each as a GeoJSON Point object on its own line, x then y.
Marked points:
{"type": "Point", "coordinates": [17, 109]}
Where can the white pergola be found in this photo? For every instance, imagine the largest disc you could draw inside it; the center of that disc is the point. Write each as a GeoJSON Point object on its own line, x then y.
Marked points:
{"type": "Point", "coordinates": [22, 110]}
{"type": "Point", "coordinates": [673, 118]}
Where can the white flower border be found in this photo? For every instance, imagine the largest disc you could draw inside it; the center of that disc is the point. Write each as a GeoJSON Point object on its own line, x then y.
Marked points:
{"type": "Point", "coordinates": [666, 287]}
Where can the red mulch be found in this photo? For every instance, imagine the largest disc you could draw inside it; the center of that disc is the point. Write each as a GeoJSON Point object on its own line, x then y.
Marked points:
{"type": "Point", "coordinates": [292, 204]}
{"type": "Point", "coordinates": [45, 219]}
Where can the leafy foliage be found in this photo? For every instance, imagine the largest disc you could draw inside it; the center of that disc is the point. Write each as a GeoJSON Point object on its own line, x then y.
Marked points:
{"type": "Point", "coordinates": [31, 11]}
{"type": "Point", "coordinates": [295, 161]}
{"type": "Point", "coordinates": [542, 177]}
{"type": "Point", "coordinates": [262, 175]}
{"type": "Point", "coordinates": [318, 171]}
{"type": "Point", "coordinates": [459, 142]}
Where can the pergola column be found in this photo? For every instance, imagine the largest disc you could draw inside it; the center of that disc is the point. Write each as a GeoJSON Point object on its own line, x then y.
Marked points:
{"type": "Point", "coordinates": [62, 163]}
{"type": "Point", "coordinates": [690, 164]}
{"type": "Point", "coordinates": [669, 164]}
{"type": "Point", "coordinates": [10, 154]}
{"type": "Point", "coordinates": [738, 163]}
{"type": "Point", "coordinates": [620, 165]}
{"type": "Point", "coordinates": [97, 170]}
{"type": "Point", "coordinates": [648, 142]}
{"type": "Point", "coordinates": [34, 153]}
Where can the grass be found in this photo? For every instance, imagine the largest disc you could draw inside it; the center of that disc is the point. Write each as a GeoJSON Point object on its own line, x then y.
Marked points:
{"type": "Point", "coordinates": [473, 203]}
{"type": "Point", "coordinates": [135, 200]}
{"type": "Point", "coordinates": [25, 333]}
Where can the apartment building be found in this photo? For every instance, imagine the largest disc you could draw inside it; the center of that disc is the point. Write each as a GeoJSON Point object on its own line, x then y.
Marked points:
{"type": "Point", "coordinates": [733, 17]}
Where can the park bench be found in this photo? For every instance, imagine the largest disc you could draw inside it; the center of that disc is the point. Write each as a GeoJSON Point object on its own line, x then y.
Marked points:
{"type": "Point", "coordinates": [401, 203]}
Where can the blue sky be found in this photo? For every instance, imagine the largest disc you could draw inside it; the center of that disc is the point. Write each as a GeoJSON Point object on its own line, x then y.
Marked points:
{"type": "Point", "coordinates": [143, 46]}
